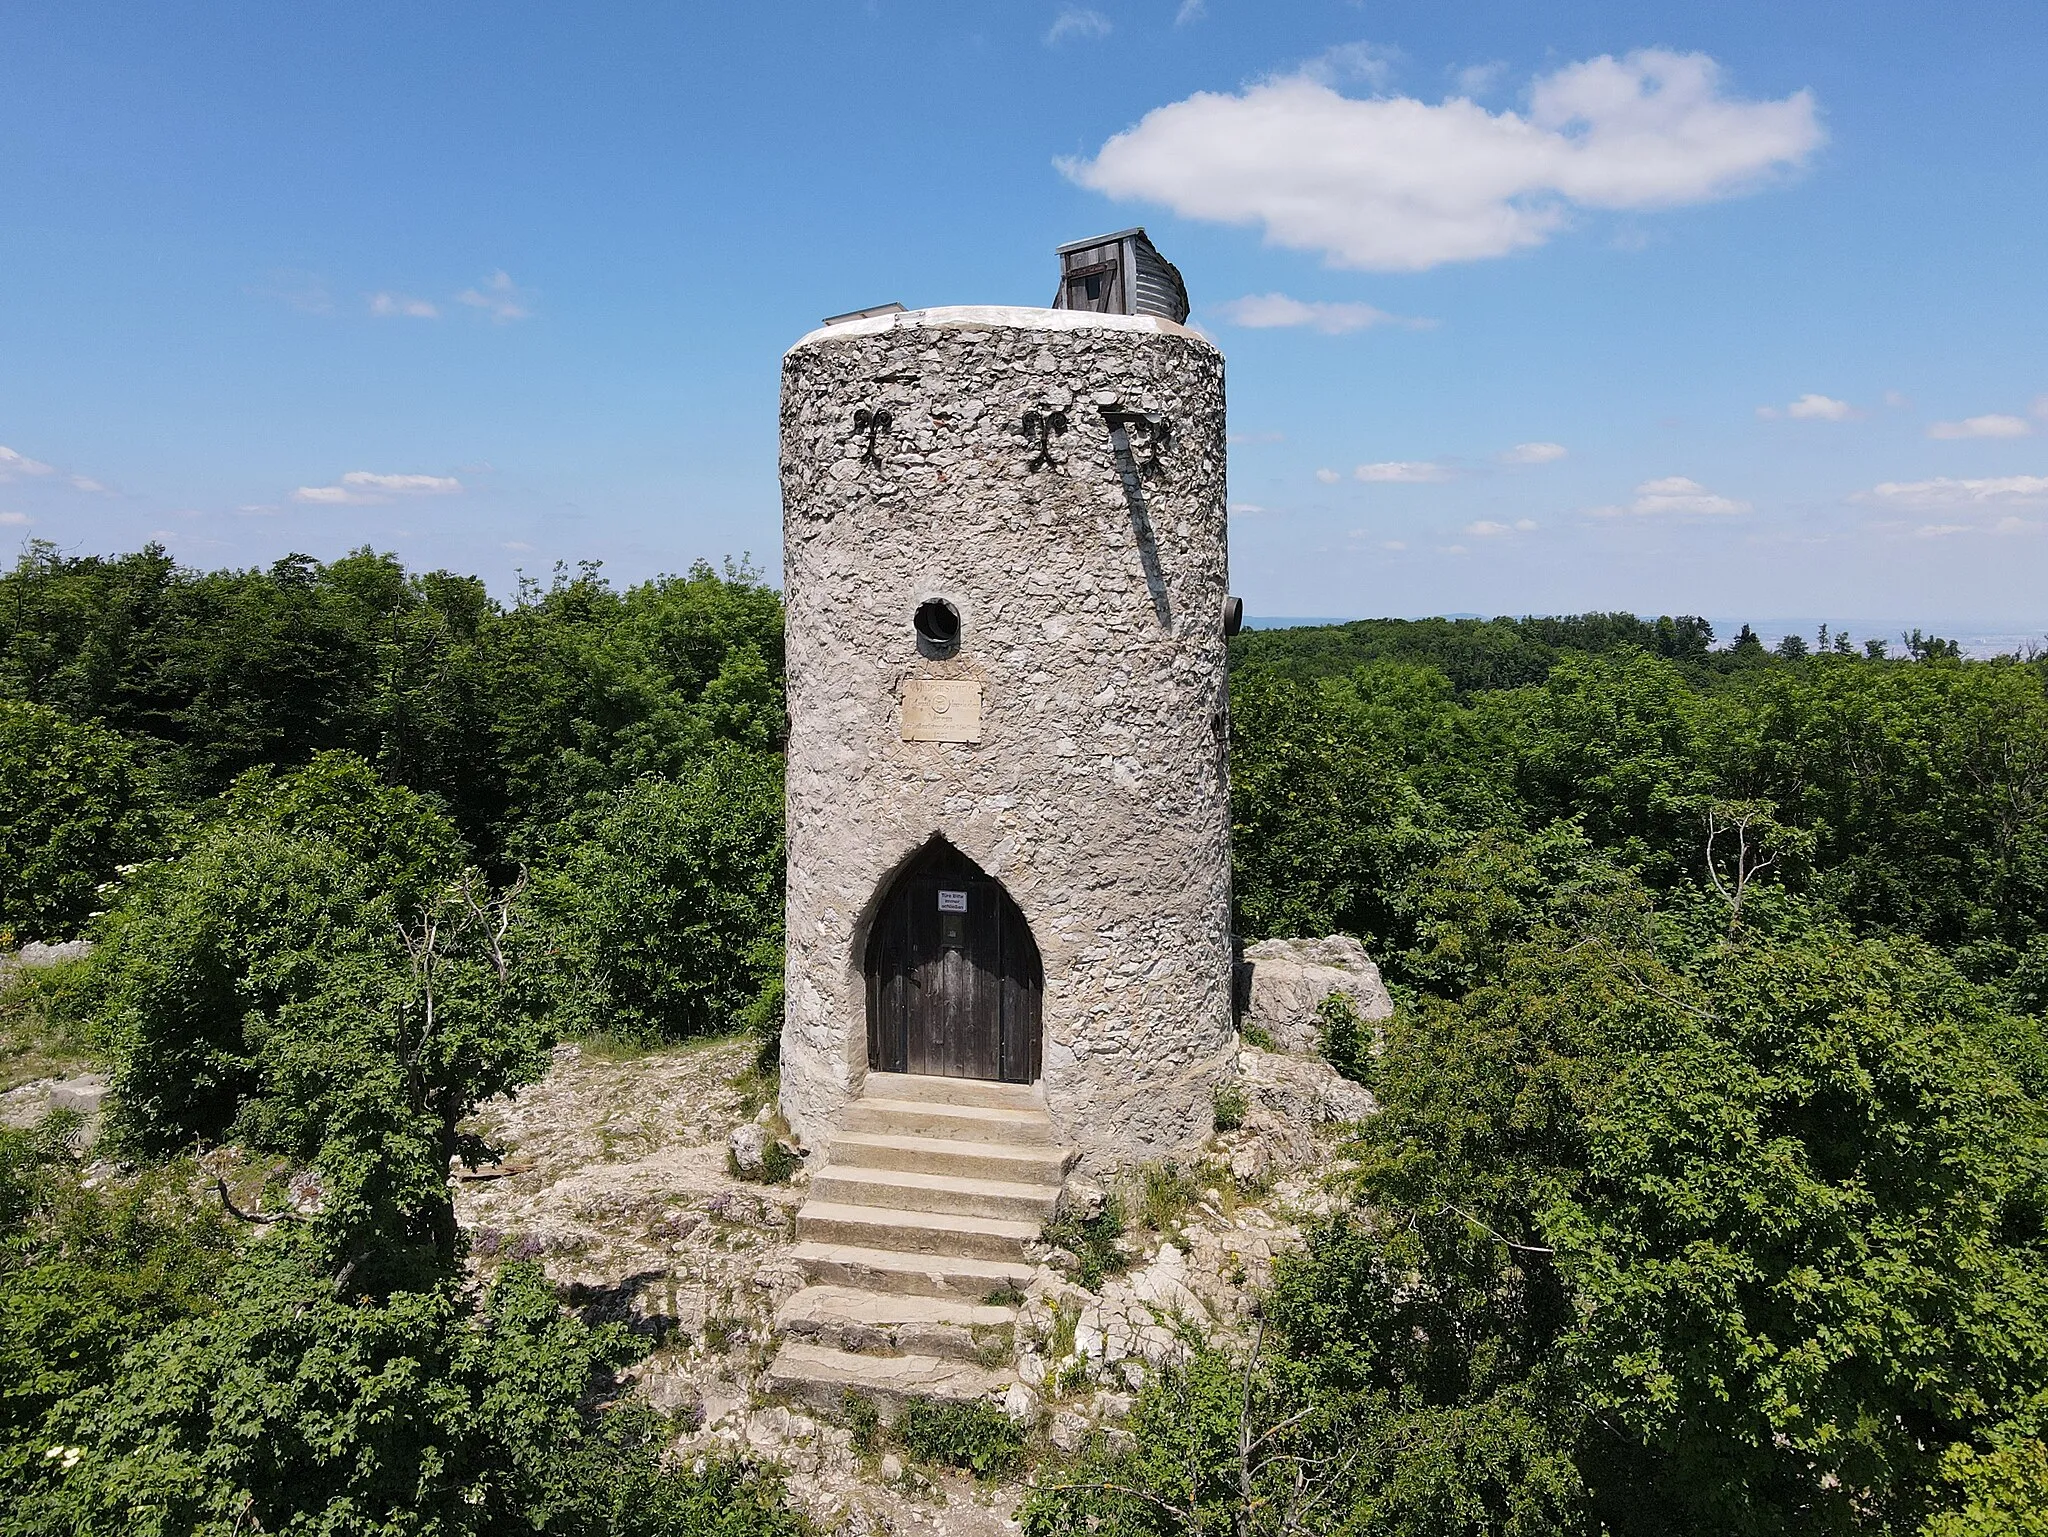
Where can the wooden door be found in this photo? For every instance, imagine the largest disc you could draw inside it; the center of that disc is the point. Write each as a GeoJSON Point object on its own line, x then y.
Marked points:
{"type": "Point", "coordinates": [953, 975]}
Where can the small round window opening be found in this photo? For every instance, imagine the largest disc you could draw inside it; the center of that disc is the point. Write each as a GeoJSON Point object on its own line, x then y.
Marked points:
{"type": "Point", "coordinates": [937, 624]}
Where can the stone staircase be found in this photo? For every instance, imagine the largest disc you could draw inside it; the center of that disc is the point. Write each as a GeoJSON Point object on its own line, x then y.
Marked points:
{"type": "Point", "coordinates": [913, 1239]}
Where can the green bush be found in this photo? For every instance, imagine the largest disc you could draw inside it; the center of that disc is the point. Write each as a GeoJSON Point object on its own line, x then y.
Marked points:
{"type": "Point", "coordinates": [318, 978]}
{"type": "Point", "coordinates": [74, 808]}
{"type": "Point", "coordinates": [975, 1437]}
{"type": "Point", "coordinates": [1346, 1040]}
{"type": "Point", "coordinates": [1231, 1106]}
{"type": "Point", "coordinates": [669, 915]}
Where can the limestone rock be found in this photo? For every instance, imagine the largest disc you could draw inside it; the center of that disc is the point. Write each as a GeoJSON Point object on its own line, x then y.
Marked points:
{"type": "Point", "coordinates": [35, 954]}
{"type": "Point", "coordinates": [86, 1093]}
{"type": "Point", "coordinates": [748, 1145]}
{"type": "Point", "coordinates": [1292, 977]}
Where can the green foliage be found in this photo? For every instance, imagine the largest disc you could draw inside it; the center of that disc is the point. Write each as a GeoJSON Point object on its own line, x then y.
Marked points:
{"type": "Point", "coordinates": [1090, 1238]}
{"type": "Point", "coordinates": [85, 1274]}
{"type": "Point", "coordinates": [669, 915]}
{"type": "Point", "coordinates": [74, 807]}
{"type": "Point", "coordinates": [1231, 1106]}
{"type": "Point", "coordinates": [317, 977]}
{"type": "Point", "coordinates": [973, 1436]}
{"type": "Point", "coordinates": [1165, 1191]}
{"type": "Point", "coordinates": [863, 1419]}
{"type": "Point", "coordinates": [1773, 1223]}
{"type": "Point", "coordinates": [1345, 1039]}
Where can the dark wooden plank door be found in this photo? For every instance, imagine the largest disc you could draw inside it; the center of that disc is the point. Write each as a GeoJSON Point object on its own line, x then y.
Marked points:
{"type": "Point", "coordinates": [953, 976]}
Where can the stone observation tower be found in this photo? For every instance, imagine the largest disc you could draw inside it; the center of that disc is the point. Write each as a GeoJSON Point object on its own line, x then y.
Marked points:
{"type": "Point", "coordinates": [1009, 823]}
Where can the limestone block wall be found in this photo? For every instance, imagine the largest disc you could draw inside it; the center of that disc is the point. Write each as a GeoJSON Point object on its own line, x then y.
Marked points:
{"type": "Point", "coordinates": [1090, 584]}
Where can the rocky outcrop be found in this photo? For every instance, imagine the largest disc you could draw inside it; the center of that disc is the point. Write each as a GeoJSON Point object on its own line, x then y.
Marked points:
{"type": "Point", "coordinates": [1291, 1102]}
{"type": "Point", "coordinates": [1292, 977]}
{"type": "Point", "coordinates": [84, 1092]}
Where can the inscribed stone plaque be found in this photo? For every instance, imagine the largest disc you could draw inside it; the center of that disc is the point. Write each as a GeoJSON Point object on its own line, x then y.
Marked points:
{"type": "Point", "coordinates": [941, 710]}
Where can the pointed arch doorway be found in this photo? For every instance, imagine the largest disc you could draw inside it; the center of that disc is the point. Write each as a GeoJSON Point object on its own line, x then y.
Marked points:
{"type": "Point", "coordinates": [953, 974]}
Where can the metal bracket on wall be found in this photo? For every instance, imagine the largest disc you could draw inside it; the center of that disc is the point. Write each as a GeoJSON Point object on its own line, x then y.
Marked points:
{"type": "Point", "coordinates": [873, 423]}
{"type": "Point", "coordinates": [1156, 429]}
{"type": "Point", "coordinates": [1158, 434]}
{"type": "Point", "coordinates": [1044, 426]}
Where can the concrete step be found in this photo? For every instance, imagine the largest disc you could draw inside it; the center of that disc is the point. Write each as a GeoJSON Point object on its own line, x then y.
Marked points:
{"type": "Point", "coordinates": [936, 1155]}
{"type": "Point", "coordinates": [876, 1323]}
{"type": "Point", "coordinates": [931, 1089]}
{"type": "Point", "coordinates": [908, 1190]}
{"type": "Point", "coordinates": [821, 1376]}
{"type": "Point", "coordinates": [914, 1232]}
{"type": "Point", "coordinates": [959, 1277]}
{"type": "Point", "coordinates": [962, 1123]}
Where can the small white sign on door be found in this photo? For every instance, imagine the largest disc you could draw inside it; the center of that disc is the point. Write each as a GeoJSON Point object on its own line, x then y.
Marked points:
{"type": "Point", "coordinates": [952, 901]}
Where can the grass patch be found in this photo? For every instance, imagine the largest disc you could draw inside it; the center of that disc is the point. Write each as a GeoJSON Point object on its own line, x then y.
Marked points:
{"type": "Point", "coordinates": [1091, 1239]}
{"type": "Point", "coordinates": [977, 1438]}
{"type": "Point", "coordinates": [1257, 1035]}
{"type": "Point", "coordinates": [864, 1420]}
{"type": "Point", "coordinates": [1165, 1192]}
{"type": "Point", "coordinates": [37, 1039]}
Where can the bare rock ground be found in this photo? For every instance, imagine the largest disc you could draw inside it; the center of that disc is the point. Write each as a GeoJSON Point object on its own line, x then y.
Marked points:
{"type": "Point", "coordinates": [615, 1178]}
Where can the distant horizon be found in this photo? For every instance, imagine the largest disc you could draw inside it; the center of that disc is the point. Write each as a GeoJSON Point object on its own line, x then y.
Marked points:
{"type": "Point", "coordinates": [1980, 639]}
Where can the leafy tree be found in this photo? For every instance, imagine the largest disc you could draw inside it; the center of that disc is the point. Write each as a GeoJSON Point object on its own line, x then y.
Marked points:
{"type": "Point", "coordinates": [74, 807]}
{"type": "Point", "coordinates": [670, 915]}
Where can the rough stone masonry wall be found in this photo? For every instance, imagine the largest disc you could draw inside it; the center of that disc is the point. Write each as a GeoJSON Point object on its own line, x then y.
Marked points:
{"type": "Point", "coordinates": [1097, 793]}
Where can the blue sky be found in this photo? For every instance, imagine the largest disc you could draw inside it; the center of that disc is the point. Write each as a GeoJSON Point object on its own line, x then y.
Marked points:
{"type": "Point", "coordinates": [1720, 308]}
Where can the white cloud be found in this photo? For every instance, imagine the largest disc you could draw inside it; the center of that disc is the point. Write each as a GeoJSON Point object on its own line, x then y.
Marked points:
{"type": "Point", "coordinates": [504, 299]}
{"type": "Point", "coordinates": [517, 544]}
{"type": "Point", "coordinates": [388, 303]}
{"type": "Point", "coordinates": [1398, 184]}
{"type": "Point", "coordinates": [1991, 426]}
{"type": "Point", "coordinates": [1480, 79]}
{"type": "Point", "coordinates": [1942, 530]}
{"type": "Point", "coordinates": [1267, 311]}
{"type": "Point", "coordinates": [1407, 472]}
{"type": "Point", "coordinates": [362, 488]}
{"type": "Point", "coordinates": [84, 483]}
{"type": "Point", "coordinates": [14, 519]}
{"type": "Point", "coordinates": [1368, 62]}
{"type": "Point", "coordinates": [1237, 507]}
{"type": "Point", "coordinates": [2041, 406]}
{"type": "Point", "coordinates": [1190, 11]}
{"type": "Point", "coordinates": [1819, 408]}
{"type": "Point", "coordinates": [1393, 544]}
{"type": "Point", "coordinates": [1675, 495]}
{"type": "Point", "coordinates": [1945, 491]}
{"type": "Point", "coordinates": [1486, 528]}
{"type": "Point", "coordinates": [1897, 399]}
{"type": "Point", "coordinates": [14, 465]}
{"type": "Point", "coordinates": [1811, 408]}
{"type": "Point", "coordinates": [1328, 477]}
{"type": "Point", "coordinates": [1533, 453]}
{"type": "Point", "coordinates": [1076, 21]}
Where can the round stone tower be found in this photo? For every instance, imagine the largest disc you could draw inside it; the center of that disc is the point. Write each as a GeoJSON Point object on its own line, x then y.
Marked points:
{"type": "Point", "coordinates": [1009, 819]}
